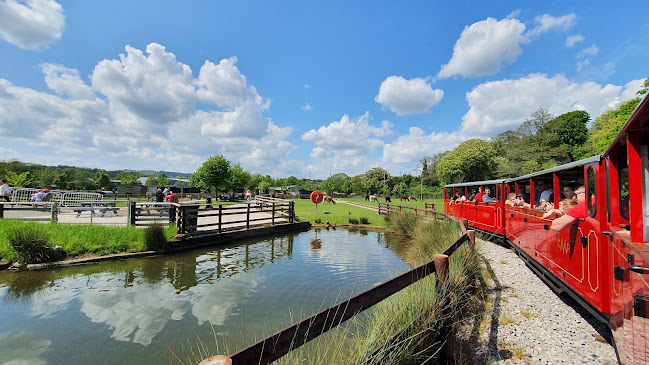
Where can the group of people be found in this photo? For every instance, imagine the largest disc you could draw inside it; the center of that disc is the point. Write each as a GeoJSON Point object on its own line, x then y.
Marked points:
{"type": "Point", "coordinates": [478, 196]}
{"type": "Point", "coordinates": [160, 194]}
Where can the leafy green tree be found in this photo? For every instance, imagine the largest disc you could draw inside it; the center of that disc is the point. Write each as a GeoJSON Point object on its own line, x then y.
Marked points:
{"type": "Point", "coordinates": [102, 180]}
{"type": "Point", "coordinates": [334, 183]}
{"type": "Point", "coordinates": [562, 135]}
{"type": "Point", "coordinates": [379, 178]}
{"type": "Point", "coordinates": [239, 178]}
{"type": "Point", "coordinates": [429, 168]}
{"type": "Point", "coordinates": [213, 174]}
{"type": "Point", "coordinates": [62, 181]}
{"type": "Point", "coordinates": [158, 180]}
{"type": "Point", "coordinates": [24, 180]}
{"type": "Point", "coordinates": [472, 160]}
{"type": "Point", "coordinates": [128, 178]}
{"type": "Point", "coordinates": [400, 188]}
{"type": "Point", "coordinates": [263, 186]}
{"type": "Point", "coordinates": [83, 180]}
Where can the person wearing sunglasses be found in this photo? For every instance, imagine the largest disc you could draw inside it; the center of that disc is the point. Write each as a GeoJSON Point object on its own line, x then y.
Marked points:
{"type": "Point", "coordinates": [573, 214]}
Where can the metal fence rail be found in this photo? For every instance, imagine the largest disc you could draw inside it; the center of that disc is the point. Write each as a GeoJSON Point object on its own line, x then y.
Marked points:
{"type": "Point", "coordinates": [279, 344]}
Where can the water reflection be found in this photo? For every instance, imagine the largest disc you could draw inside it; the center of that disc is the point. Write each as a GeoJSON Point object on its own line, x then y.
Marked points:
{"type": "Point", "coordinates": [245, 290]}
{"type": "Point", "coordinates": [19, 347]}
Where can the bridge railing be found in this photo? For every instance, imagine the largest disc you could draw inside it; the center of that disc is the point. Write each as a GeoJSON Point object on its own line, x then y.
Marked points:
{"type": "Point", "coordinates": [281, 343]}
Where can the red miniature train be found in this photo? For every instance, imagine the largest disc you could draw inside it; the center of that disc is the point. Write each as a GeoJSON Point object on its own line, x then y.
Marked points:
{"type": "Point", "coordinates": [602, 261]}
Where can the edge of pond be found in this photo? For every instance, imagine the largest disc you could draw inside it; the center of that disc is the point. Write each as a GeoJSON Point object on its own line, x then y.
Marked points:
{"type": "Point", "coordinates": [192, 242]}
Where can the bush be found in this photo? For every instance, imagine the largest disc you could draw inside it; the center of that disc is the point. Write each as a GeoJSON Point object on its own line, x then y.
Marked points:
{"type": "Point", "coordinates": [353, 221]}
{"type": "Point", "coordinates": [364, 220]}
{"type": "Point", "coordinates": [155, 238]}
{"type": "Point", "coordinates": [32, 244]}
{"type": "Point", "coordinates": [317, 221]}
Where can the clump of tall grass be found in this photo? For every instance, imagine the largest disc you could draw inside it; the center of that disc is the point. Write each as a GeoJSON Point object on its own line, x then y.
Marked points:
{"type": "Point", "coordinates": [32, 244]}
{"type": "Point", "coordinates": [352, 220]}
{"type": "Point", "coordinates": [417, 321]}
{"type": "Point", "coordinates": [154, 237]}
{"type": "Point", "coordinates": [364, 220]}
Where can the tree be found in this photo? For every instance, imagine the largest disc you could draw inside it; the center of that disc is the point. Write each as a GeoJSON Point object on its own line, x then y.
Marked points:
{"type": "Point", "coordinates": [562, 135]}
{"type": "Point", "coordinates": [335, 183]}
{"type": "Point", "coordinates": [213, 174]}
{"type": "Point", "coordinates": [24, 180]}
{"type": "Point", "coordinates": [62, 181]}
{"type": "Point", "coordinates": [102, 180]}
{"type": "Point", "coordinates": [127, 178]}
{"type": "Point", "coordinates": [158, 180]}
{"type": "Point", "coordinates": [379, 178]}
{"type": "Point", "coordinates": [471, 160]}
{"type": "Point", "coordinates": [239, 178]}
{"type": "Point", "coordinates": [429, 168]}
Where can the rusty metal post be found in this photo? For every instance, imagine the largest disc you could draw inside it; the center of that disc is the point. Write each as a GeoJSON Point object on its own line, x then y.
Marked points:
{"type": "Point", "coordinates": [441, 268]}
{"type": "Point", "coordinates": [216, 360]}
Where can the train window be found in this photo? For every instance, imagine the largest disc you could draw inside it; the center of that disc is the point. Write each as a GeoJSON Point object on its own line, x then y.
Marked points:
{"type": "Point", "coordinates": [590, 192]}
{"type": "Point", "coordinates": [623, 183]}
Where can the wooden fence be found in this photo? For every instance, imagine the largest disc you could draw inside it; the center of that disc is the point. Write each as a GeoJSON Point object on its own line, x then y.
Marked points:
{"type": "Point", "coordinates": [279, 344]}
{"type": "Point", "coordinates": [387, 208]}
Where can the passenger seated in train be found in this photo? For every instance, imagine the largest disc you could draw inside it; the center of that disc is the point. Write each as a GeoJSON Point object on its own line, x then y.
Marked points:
{"type": "Point", "coordinates": [472, 196]}
{"type": "Point", "coordinates": [514, 200]}
{"type": "Point", "coordinates": [564, 206]}
{"type": "Point", "coordinates": [546, 192]}
{"type": "Point", "coordinates": [579, 211]}
{"type": "Point", "coordinates": [478, 196]}
{"type": "Point", "coordinates": [569, 191]}
{"type": "Point", "coordinates": [486, 198]}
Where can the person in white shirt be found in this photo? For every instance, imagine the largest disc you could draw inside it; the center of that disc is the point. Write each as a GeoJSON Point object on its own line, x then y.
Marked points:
{"type": "Point", "coordinates": [4, 190]}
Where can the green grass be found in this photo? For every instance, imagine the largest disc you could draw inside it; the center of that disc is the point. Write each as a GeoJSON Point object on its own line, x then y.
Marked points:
{"type": "Point", "coordinates": [80, 239]}
{"type": "Point", "coordinates": [340, 213]}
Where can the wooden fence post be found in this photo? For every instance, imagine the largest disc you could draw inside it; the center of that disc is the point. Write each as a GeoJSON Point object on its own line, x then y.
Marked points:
{"type": "Point", "coordinates": [248, 216]}
{"type": "Point", "coordinates": [292, 212]}
{"type": "Point", "coordinates": [180, 224]}
{"type": "Point", "coordinates": [172, 213]}
{"type": "Point", "coordinates": [441, 268]}
{"type": "Point", "coordinates": [471, 235]}
{"type": "Point", "coordinates": [273, 218]}
{"type": "Point", "coordinates": [55, 208]}
{"type": "Point", "coordinates": [220, 218]}
{"type": "Point", "coordinates": [132, 212]}
{"type": "Point", "coordinates": [2, 210]}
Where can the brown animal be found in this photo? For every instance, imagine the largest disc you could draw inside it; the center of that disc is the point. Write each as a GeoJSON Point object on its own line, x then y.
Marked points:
{"type": "Point", "coordinates": [328, 199]}
{"type": "Point", "coordinates": [388, 200]}
{"type": "Point", "coordinates": [412, 198]}
{"type": "Point", "coordinates": [403, 197]}
{"type": "Point", "coordinates": [373, 198]}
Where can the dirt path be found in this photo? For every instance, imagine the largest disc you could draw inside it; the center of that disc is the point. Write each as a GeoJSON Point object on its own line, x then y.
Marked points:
{"type": "Point", "coordinates": [368, 207]}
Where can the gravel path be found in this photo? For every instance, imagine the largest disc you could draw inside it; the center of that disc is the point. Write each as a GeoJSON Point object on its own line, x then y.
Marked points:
{"type": "Point", "coordinates": [527, 323]}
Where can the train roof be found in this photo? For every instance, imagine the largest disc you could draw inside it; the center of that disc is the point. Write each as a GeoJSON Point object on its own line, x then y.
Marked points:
{"type": "Point", "coordinates": [567, 166]}
{"type": "Point", "coordinates": [475, 183]}
{"type": "Point", "coordinates": [638, 119]}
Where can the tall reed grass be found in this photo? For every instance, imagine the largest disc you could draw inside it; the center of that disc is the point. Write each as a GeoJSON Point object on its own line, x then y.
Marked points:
{"type": "Point", "coordinates": [416, 322]}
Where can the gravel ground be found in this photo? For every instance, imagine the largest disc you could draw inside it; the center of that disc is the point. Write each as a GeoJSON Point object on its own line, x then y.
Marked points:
{"type": "Point", "coordinates": [527, 323]}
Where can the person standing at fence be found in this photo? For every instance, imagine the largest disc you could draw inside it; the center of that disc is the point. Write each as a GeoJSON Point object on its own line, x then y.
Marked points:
{"type": "Point", "coordinates": [4, 190]}
{"type": "Point", "coordinates": [159, 196]}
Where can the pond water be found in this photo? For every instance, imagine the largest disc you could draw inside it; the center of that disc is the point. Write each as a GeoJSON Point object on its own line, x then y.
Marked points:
{"type": "Point", "coordinates": [136, 311]}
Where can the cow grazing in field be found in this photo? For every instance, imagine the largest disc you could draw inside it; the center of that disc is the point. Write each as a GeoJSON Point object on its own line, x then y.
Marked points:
{"type": "Point", "coordinates": [373, 198]}
{"type": "Point", "coordinates": [388, 200]}
{"type": "Point", "coordinates": [412, 198]}
{"type": "Point", "coordinates": [328, 199]}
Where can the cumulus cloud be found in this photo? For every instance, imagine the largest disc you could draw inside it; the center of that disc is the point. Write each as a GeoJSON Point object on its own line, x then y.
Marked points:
{"type": "Point", "coordinates": [142, 109]}
{"type": "Point", "coordinates": [574, 39]}
{"type": "Point", "coordinates": [408, 96]}
{"type": "Point", "coordinates": [31, 24]}
{"type": "Point", "coordinates": [582, 64]}
{"type": "Point", "coordinates": [407, 149]}
{"type": "Point", "coordinates": [496, 106]}
{"type": "Point", "coordinates": [483, 47]}
{"type": "Point", "coordinates": [548, 22]}
{"type": "Point", "coordinates": [345, 144]}
{"type": "Point", "coordinates": [593, 50]}
{"type": "Point", "coordinates": [306, 107]}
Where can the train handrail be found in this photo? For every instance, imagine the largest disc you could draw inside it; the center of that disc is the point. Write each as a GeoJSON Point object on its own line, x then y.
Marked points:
{"type": "Point", "coordinates": [282, 342]}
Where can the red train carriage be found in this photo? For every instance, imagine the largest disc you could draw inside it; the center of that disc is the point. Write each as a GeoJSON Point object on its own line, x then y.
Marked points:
{"type": "Point", "coordinates": [488, 217]}
{"type": "Point", "coordinates": [602, 260]}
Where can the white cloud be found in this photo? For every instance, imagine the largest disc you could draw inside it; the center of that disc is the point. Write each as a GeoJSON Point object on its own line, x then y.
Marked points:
{"type": "Point", "coordinates": [582, 64]}
{"type": "Point", "coordinates": [484, 46]}
{"type": "Point", "coordinates": [514, 14]}
{"type": "Point", "coordinates": [590, 51]}
{"type": "Point", "coordinates": [548, 22]}
{"type": "Point", "coordinates": [141, 110]}
{"type": "Point", "coordinates": [574, 39]}
{"type": "Point", "coordinates": [408, 96]}
{"type": "Point", "coordinates": [306, 86]}
{"type": "Point", "coordinates": [306, 107]}
{"type": "Point", "coordinates": [31, 24]}
{"type": "Point", "coordinates": [496, 106]}
{"type": "Point", "coordinates": [409, 148]}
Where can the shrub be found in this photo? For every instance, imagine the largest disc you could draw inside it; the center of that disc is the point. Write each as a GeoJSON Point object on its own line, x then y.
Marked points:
{"type": "Point", "coordinates": [353, 221]}
{"type": "Point", "coordinates": [155, 238]}
{"type": "Point", "coordinates": [364, 220]}
{"type": "Point", "coordinates": [317, 221]}
{"type": "Point", "coordinates": [32, 244]}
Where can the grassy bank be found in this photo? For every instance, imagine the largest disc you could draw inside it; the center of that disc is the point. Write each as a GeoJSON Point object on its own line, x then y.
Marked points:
{"type": "Point", "coordinates": [342, 213]}
{"type": "Point", "coordinates": [77, 239]}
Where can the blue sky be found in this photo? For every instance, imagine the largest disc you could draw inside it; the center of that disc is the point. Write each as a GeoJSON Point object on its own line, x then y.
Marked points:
{"type": "Point", "coordinates": [300, 88]}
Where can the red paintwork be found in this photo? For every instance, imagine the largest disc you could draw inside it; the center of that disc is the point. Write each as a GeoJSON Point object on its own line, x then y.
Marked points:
{"type": "Point", "coordinates": [588, 268]}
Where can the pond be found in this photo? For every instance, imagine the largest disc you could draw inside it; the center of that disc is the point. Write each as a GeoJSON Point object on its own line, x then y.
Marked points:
{"type": "Point", "coordinates": [136, 311]}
